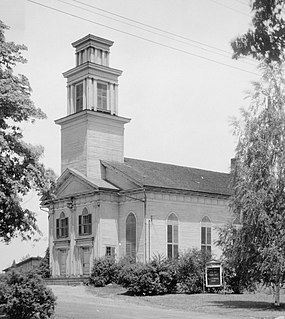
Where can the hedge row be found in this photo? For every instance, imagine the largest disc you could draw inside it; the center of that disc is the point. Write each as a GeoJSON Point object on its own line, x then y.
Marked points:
{"type": "Point", "coordinates": [159, 276]}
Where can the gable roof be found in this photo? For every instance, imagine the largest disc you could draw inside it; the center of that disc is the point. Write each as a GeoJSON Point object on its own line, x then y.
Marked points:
{"type": "Point", "coordinates": [92, 182]}
{"type": "Point", "coordinates": [153, 174]}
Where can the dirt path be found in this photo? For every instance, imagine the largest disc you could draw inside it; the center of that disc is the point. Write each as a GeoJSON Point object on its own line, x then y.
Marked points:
{"type": "Point", "coordinates": [77, 303]}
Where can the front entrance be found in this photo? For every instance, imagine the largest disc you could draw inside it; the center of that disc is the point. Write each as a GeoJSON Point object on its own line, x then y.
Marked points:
{"type": "Point", "coordinates": [86, 251]}
{"type": "Point", "coordinates": [62, 256]}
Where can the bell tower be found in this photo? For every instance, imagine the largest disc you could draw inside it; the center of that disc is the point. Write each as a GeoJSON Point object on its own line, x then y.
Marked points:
{"type": "Point", "coordinates": [92, 130]}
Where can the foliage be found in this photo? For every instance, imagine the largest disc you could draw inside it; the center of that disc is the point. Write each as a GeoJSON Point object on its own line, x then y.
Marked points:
{"type": "Point", "coordinates": [104, 272]}
{"type": "Point", "coordinates": [265, 40]}
{"type": "Point", "coordinates": [43, 268]}
{"type": "Point", "coordinates": [20, 168]}
{"type": "Point", "coordinates": [257, 249]}
{"type": "Point", "coordinates": [157, 277]}
{"type": "Point", "coordinates": [191, 268]}
{"type": "Point", "coordinates": [25, 296]}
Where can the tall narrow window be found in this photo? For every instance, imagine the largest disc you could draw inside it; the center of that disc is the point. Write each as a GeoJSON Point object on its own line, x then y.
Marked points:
{"type": "Point", "coordinates": [62, 226]}
{"type": "Point", "coordinates": [102, 90]}
{"type": "Point", "coordinates": [131, 236]}
{"type": "Point", "coordinates": [85, 223]}
{"type": "Point", "coordinates": [206, 234]}
{"type": "Point", "coordinates": [172, 236]}
{"type": "Point", "coordinates": [78, 97]}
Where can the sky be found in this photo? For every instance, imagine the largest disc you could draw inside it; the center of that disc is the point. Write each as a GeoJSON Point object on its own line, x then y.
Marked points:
{"type": "Point", "coordinates": [179, 85]}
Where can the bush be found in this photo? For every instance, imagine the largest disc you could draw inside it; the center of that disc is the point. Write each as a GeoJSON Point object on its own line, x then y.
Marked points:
{"type": "Point", "coordinates": [25, 296]}
{"type": "Point", "coordinates": [43, 269]}
{"type": "Point", "coordinates": [233, 282]}
{"type": "Point", "coordinates": [104, 272]}
{"type": "Point", "coordinates": [191, 268]}
{"type": "Point", "coordinates": [154, 278]}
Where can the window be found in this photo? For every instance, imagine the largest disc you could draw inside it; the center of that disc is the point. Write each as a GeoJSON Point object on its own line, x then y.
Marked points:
{"type": "Point", "coordinates": [110, 251]}
{"type": "Point", "coordinates": [131, 236]}
{"type": "Point", "coordinates": [78, 97]}
{"type": "Point", "coordinates": [172, 236]}
{"type": "Point", "coordinates": [102, 90]}
{"type": "Point", "coordinates": [62, 226]}
{"type": "Point", "coordinates": [206, 234]}
{"type": "Point", "coordinates": [85, 223]}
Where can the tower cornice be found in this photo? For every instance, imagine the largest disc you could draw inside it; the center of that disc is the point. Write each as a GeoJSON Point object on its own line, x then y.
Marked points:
{"type": "Point", "coordinates": [88, 66]}
{"type": "Point", "coordinates": [95, 114]}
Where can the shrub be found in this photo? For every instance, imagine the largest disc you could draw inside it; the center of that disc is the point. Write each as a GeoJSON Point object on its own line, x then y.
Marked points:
{"type": "Point", "coordinates": [191, 268]}
{"type": "Point", "coordinates": [25, 296]}
{"type": "Point", "coordinates": [233, 282]}
{"type": "Point", "coordinates": [104, 272]}
{"type": "Point", "coordinates": [154, 278]}
{"type": "Point", "coordinates": [43, 269]}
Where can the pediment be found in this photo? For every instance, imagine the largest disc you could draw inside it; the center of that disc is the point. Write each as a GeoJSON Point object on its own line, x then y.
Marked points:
{"type": "Point", "coordinates": [71, 183]}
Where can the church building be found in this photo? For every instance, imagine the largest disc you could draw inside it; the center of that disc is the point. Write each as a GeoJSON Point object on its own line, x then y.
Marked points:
{"type": "Point", "coordinates": [110, 205]}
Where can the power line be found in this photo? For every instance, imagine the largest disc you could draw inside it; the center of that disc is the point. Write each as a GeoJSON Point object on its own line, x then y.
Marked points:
{"type": "Point", "coordinates": [142, 38]}
{"type": "Point", "coordinates": [230, 8]}
{"type": "Point", "coordinates": [152, 27]}
{"type": "Point", "coordinates": [159, 34]}
{"type": "Point", "coordinates": [165, 36]}
{"type": "Point", "coordinates": [241, 2]}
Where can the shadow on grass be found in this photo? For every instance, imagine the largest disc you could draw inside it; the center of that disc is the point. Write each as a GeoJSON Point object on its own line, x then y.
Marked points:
{"type": "Point", "coordinates": [250, 305]}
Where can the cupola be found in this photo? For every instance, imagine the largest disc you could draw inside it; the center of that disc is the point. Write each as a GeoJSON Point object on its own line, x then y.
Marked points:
{"type": "Point", "coordinates": [92, 84]}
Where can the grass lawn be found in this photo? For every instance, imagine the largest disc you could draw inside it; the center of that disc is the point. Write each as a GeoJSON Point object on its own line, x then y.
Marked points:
{"type": "Point", "coordinates": [248, 305]}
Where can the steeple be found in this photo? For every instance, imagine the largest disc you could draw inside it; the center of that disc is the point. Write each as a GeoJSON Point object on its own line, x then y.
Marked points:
{"type": "Point", "coordinates": [92, 130]}
{"type": "Point", "coordinates": [92, 84]}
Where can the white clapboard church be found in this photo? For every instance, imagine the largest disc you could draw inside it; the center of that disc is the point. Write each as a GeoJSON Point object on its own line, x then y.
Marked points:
{"type": "Point", "coordinates": [107, 204]}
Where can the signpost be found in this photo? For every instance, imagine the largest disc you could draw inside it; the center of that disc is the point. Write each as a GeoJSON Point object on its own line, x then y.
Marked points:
{"type": "Point", "coordinates": [214, 274]}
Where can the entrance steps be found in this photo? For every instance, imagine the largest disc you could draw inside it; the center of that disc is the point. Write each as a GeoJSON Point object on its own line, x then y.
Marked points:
{"type": "Point", "coordinates": [66, 281]}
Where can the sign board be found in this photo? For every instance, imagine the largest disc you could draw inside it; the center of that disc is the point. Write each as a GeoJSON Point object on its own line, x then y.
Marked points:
{"type": "Point", "coordinates": [214, 276]}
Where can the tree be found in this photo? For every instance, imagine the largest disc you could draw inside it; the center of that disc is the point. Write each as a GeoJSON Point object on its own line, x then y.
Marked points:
{"type": "Point", "coordinates": [20, 169]}
{"type": "Point", "coordinates": [256, 250]}
{"type": "Point", "coordinates": [43, 268]}
{"type": "Point", "coordinates": [265, 40]}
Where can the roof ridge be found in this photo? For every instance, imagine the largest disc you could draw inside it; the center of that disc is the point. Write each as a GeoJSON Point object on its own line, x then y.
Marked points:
{"type": "Point", "coordinates": [174, 165]}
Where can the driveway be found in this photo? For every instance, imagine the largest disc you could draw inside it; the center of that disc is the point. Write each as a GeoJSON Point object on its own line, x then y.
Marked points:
{"type": "Point", "coordinates": [77, 303]}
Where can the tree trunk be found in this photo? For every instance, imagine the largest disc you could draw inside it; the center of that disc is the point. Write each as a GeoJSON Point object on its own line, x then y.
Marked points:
{"type": "Point", "coordinates": [277, 295]}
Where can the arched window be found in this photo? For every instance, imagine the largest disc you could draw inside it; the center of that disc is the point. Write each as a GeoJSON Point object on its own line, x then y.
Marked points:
{"type": "Point", "coordinates": [206, 234]}
{"type": "Point", "coordinates": [85, 223]}
{"type": "Point", "coordinates": [172, 236]}
{"type": "Point", "coordinates": [131, 235]}
{"type": "Point", "coordinates": [62, 226]}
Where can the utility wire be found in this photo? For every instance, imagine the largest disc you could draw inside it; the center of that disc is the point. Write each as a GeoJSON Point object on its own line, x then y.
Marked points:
{"type": "Point", "coordinates": [159, 34]}
{"type": "Point", "coordinates": [241, 2]}
{"type": "Point", "coordinates": [142, 38]}
{"type": "Point", "coordinates": [230, 8]}
{"type": "Point", "coordinates": [152, 27]}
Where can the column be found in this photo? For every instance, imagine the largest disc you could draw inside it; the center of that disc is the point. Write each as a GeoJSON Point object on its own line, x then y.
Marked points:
{"type": "Point", "coordinates": [89, 94]}
{"type": "Point", "coordinates": [84, 94]}
{"type": "Point", "coordinates": [92, 55]}
{"type": "Point", "coordinates": [77, 58]}
{"type": "Point", "coordinates": [116, 100]}
{"type": "Point", "coordinates": [95, 95]}
{"type": "Point", "coordinates": [89, 54]}
{"type": "Point", "coordinates": [96, 55]}
{"type": "Point", "coordinates": [112, 99]}
{"type": "Point", "coordinates": [68, 100]}
{"type": "Point", "coordinates": [72, 110]}
{"type": "Point", "coordinates": [109, 89]}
